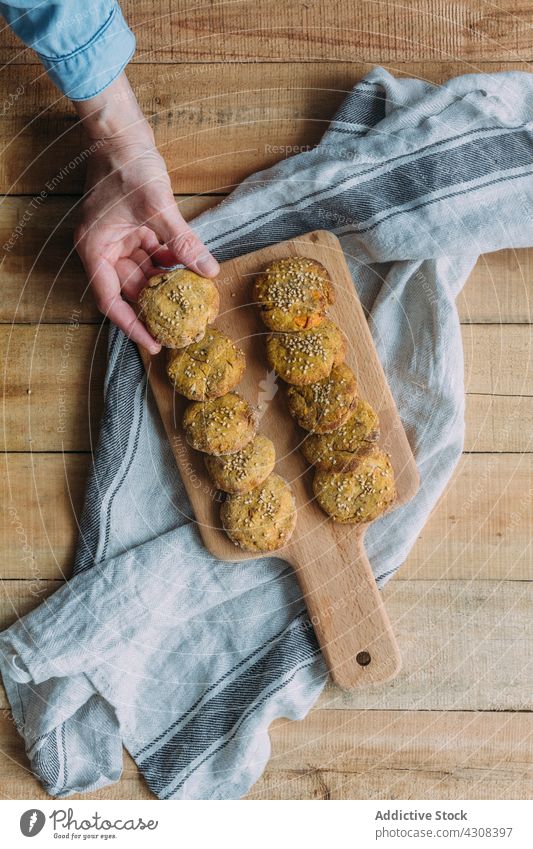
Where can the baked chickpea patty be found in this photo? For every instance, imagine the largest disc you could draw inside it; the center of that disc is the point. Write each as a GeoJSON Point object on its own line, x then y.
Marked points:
{"type": "Point", "coordinates": [360, 495]}
{"type": "Point", "coordinates": [341, 449]}
{"type": "Point", "coordinates": [244, 470]}
{"type": "Point", "coordinates": [263, 519]}
{"type": "Point", "coordinates": [177, 307]}
{"type": "Point", "coordinates": [219, 426]}
{"type": "Point", "coordinates": [324, 406]}
{"type": "Point", "coordinates": [208, 368]}
{"type": "Point", "coordinates": [293, 294]}
{"type": "Point", "coordinates": [308, 355]}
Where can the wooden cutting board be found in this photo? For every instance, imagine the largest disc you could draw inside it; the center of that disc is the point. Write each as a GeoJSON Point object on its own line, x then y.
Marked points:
{"type": "Point", "coordinates": [329, 559]}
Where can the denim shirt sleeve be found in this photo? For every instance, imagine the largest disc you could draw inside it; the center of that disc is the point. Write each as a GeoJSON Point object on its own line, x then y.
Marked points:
{"type": "Point", "coordinates": [83, 47]}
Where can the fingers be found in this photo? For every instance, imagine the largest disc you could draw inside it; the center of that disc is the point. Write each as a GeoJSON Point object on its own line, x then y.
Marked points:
{"type": "Point", "coordinates": [132, 276]}
{"type": "Point", "coordinates": [159, 254]}
{"type": "Point", "coordinates": [106, 287]}
{"type": "Point", "coordinates": [124, 317]}
{"type": "Point", "coordinates": [163, 258]}
{"type": "Point", "coordinates": [144, 261]}
{"type": "Point", "coordinates": [183, 243]}
{"type": "Point", "coordinates": [134, 272]}
{"type": "Point", "coordinates": [149, 241]}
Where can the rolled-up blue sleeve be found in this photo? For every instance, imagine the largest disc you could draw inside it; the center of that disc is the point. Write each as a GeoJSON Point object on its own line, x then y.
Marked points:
{"type": "Point", "coordinates": [83, 47]}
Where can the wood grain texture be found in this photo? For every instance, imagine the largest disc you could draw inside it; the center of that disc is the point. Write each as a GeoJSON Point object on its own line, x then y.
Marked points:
{"type": "Point", "coordinates": [329, 559]}
{"type": "Point", "coordinates": [499, 289]}
{"type": "Point", "coordinates": [52, 386]}
{"type": "Point", "coordinates": [498, 359]}
{"type": "Point", "coordinates": [499, 423]}
{"type": "Point", "coordinates": [42, 497]}
{"type": "Point", "coordinates": [214, 124]}
{"type": "Point", "coordinates": [43, 281]}
{"type": "Point", "coordinates": [355, 755]}
{"type": "Point", "coordinates": [42, 278]}
{"type": "Point", "coordinates": [63, 367]}
{"type": "Point", "coordinates": [481, 529]}
{"type": "Point", "coordinates": [466, 645]}
{"type": "Point", "coordinates": [401, 755]}
{"type": "Point", "coordinates": [326, 30]}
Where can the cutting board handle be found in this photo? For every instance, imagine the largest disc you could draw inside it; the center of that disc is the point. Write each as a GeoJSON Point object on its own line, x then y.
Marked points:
{"type": "Point", "coordinates": [348, 614]}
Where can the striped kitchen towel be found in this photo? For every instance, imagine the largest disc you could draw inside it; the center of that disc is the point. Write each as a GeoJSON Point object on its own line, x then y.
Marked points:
{"type": "Point", "coordinates": [155, 645]}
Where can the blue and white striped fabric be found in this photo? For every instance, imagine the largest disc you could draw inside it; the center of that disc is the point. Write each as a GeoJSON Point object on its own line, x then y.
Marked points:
{"type": "Point", "coordinates": [155, 645]}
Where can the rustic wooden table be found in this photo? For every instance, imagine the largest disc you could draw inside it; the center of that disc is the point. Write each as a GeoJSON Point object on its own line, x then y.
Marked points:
{"type": "Point", "coordinates": [226, 86]}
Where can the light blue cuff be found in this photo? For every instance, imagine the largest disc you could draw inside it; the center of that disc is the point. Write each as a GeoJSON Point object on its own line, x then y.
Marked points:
{"type": "Point", "coordinates": [90, 68]}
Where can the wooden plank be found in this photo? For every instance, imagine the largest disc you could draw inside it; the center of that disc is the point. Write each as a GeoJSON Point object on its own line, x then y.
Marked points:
{"type": "Point", "coordinates": [499, 423]}
{"type": "Point", "coordinates": [42, 278]}
{"type": "Point", "coordinates": [481, 529]}
{"type": "Point", "coordinates": [328, 30]}
{"type": "Point", "coordinates": [213, 126]}
{"type": "Point", "coordinates": [43, 497]}
{"type": "Point", "coordinates": [53, 379]}
{"type": "Point", "coordinates": [466, 645]}
{"type": "Point", "coordinates": [499, 289]}
{"type": "Point", "coordinates": [55, 376]}
{"type": "Point", "coordinates": [397, 755]}
{"type": "Point", "coordinates": [354, 755]}
{"type": "Point", "coordinates": [212, 129]}
{"type": "Point", "coordinates": [499, 359]}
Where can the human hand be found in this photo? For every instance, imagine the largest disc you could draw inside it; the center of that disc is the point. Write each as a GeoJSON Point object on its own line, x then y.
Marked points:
{"type": "Point", "coordinates": [129, 220]}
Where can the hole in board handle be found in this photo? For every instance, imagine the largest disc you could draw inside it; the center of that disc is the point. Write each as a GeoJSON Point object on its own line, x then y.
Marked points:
{"type": "Point", "coordinates": [363, 658]}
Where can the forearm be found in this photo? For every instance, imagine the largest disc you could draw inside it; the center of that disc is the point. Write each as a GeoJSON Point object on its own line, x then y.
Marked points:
{"type": "Point", "coordinates": [115, 116]}
{"type": "Point", "coordinates": [129, 218]}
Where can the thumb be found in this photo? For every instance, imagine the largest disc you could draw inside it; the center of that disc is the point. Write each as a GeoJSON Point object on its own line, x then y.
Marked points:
{"type": "Point", "coordinates": [185, 245]}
